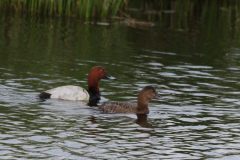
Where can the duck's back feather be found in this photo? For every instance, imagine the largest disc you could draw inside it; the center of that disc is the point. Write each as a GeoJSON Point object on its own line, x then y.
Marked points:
{"type": "Point", "coordinates": [118, 107]}
{"type": "Point", "coordinates": [69, 93]}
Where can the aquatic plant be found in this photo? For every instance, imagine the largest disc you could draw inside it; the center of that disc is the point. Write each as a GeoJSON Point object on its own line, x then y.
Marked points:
{"type": "Point", "coordinates": [180, 14]}
{"type": "Point", "coordinates": [81, 8]}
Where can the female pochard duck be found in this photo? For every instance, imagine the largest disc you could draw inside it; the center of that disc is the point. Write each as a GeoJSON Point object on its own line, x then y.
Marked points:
{"type": "Point", "coordinates": [141, 107]}
{"type": "Point", "coordinates": [78, 93]}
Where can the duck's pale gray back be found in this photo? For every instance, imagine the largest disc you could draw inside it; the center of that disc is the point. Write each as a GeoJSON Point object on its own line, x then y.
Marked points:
{"type": "Point", "coordinates": [73, 93]}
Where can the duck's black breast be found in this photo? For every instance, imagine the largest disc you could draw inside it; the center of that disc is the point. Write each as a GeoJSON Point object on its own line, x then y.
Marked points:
{"type": "Point", "coordinates": [44, 95]}
{"type": "Point", "coordinates": [94, 97]}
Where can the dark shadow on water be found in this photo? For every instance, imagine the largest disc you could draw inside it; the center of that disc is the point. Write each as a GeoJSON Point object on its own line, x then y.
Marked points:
{"type": "Point", "coordinates": [93, 103]}
{"type": "Point", "coordinates": [142, 120]}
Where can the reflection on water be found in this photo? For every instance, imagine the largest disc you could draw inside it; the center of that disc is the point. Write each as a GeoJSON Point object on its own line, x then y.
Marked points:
{"type": "Point", "coordinates": [199, 120]}
{"type": "Point", "coordinates": [142, 120]}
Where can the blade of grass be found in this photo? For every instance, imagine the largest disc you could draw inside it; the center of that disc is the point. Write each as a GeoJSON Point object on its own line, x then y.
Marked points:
{"type": "Point", "coordinates": [105, 8]}
{"type": "Point", "coordinates": [50, 7]}
{"type": "Point", "coordinates": [25, 5]}
{"type": "Point", "coordinates": [36, 7]}
{"type": "Point", "coordinates": [68, 8]}
{"type": "Point", "coordinates": [39, 6]}
{"type": "Point", "coordinates": [60, 5]}
{"type": "Point", "coordinates": [88, 11]}
{"type": "Point", "coordinates": [115, 7]}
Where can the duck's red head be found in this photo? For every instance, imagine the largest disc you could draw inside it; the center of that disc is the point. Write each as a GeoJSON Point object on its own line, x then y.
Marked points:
{"type": "Point", "coordinates": [95, 75]}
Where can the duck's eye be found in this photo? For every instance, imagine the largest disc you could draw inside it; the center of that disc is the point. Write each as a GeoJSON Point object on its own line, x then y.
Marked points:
{"type": "Point", "coordinates": [101, 70]}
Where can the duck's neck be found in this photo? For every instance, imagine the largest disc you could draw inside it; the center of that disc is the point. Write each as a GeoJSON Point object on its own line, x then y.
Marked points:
{"type": "Point", "coordinates": [142, 103]}
{"type": "Point", "coordinates": [93, 85]}
{"type": "Point", "coordinates": [93, 91]}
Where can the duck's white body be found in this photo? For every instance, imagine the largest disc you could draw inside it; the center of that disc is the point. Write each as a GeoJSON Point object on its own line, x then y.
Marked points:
{"type": "Point", "coordinates": [73, 93]}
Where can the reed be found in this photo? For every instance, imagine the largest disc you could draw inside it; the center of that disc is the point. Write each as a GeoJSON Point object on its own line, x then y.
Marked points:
{"type": "Point", "coordinates": [81, 8]}
{"type": "Point", "coordinates": [181, 14]}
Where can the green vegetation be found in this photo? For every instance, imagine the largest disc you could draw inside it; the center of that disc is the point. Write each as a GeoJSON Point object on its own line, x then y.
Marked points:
{"type": "Point", "coordinates": [81, 8]}
{"type": "Point", "coordinates": [181, 15]}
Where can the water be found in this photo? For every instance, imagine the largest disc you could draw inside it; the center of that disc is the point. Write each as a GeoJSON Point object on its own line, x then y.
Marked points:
{"type": "Point", "coordinates": [197, 74]}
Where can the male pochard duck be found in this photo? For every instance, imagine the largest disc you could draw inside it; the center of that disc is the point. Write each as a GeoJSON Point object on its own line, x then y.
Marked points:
{"type": "Point", "coordinates": [141, 107]}
{"type": "Point", "coordinates": [78, 93]}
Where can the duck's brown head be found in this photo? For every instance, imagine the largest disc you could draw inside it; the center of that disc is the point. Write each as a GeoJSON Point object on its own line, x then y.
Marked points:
{"type": "Point", "coordinates": [96, 74]}
{"type": "Point", "coordinates": [99, 73]}
{"type": "Point", "coordinates": [146, 95]}
{"type": "Point", "coordinates": [149, 92]}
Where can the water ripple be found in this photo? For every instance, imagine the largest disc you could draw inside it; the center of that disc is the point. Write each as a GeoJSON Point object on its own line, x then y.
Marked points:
{"type": "Point", "coordinates": [199, 119]}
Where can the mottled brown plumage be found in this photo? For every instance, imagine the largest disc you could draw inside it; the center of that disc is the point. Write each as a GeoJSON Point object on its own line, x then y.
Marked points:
{"type": "Point", "coordinates": [141, 107]}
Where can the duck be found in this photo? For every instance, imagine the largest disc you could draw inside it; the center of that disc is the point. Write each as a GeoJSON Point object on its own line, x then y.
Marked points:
{"type": "Point", "coordinates": [76, 93]}
{"type": "Point", "coordinates": [141, 107]}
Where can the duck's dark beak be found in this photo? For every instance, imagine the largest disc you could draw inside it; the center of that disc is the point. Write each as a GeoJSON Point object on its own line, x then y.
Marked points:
{"type": "Point", "coordinates": [157, 96]}
{"type": "Point", "coordinates": [108, 76]}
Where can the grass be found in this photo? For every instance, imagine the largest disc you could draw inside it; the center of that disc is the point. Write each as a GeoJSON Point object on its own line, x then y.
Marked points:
{"type": "Point", "coordinates": [179, 14]}
{"type": "Point", "coordinates": [82, 8]}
